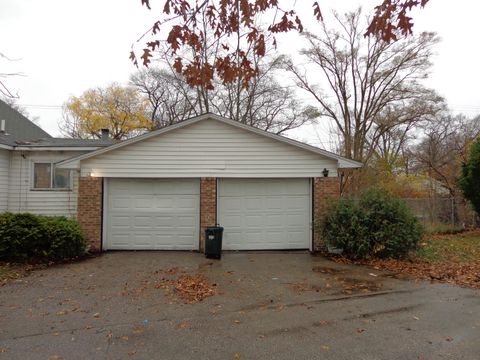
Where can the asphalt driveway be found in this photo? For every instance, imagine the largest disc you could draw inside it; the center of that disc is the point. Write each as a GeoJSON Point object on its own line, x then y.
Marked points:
{"type": "Point", "coordinates": [271, 305]}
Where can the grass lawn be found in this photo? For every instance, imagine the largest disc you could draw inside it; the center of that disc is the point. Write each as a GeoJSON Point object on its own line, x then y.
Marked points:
{"type": "Point", "coordinates": [461, 248]}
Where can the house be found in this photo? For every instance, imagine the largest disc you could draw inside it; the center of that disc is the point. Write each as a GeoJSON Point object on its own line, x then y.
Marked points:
{"type": "Point", "coordinates": [160, 190]}
{"type": "Point", "coordinates": [29, 181]}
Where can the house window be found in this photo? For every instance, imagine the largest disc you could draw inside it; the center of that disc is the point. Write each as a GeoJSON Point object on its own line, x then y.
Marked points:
{"type": "Point", "coordinates": [45, 178]}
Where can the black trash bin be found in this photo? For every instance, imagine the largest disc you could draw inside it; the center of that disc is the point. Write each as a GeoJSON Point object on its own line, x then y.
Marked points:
{"type": "Point", "coordinates": [213, 242]}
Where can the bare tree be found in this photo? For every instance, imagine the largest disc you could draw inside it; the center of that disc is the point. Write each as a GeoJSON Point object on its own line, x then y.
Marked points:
{"type": "Point", "coordinates": [5, 92]}
{"type": "Point", "coordinates": [370, 87]}
{"type": "Point", "coordinates": [169, 99]}
{"type": "Point", "coordinates": [264, 104]}
{"type": "Point", "coordinates": [444, 148]}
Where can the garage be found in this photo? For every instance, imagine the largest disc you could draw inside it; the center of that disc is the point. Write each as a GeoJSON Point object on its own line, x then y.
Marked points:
{"type": "Point", "coordinates": [152, 214]}
{"type": "Point", "coordinates": [265, 214]}
{"type": "Point", "coordinates": [162, 189]}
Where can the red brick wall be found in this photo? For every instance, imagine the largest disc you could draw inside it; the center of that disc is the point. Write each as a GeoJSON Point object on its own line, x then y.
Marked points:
{"type": "Point", "coordinates": [90, 208]}
{"type": "Point", "coordinates": [208, 206]}
{"type": "Point", "coordinates": [325, 189]}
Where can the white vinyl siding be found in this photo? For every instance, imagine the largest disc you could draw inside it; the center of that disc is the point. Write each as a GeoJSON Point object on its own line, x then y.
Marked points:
{"type": "Point", "coordinates": [264, 214]}
{"type": "Point", "coordinates": [4, 170]}
{"type": "Point", "coordinates": [23, 198]}
{"type": "Point", "coordinates": [152, 214]}
{"type": "Point", "coordinates": [209, 148]}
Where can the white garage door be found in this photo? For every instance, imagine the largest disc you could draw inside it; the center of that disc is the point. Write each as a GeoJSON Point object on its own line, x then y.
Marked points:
{"type": "Point", "coordinates": [260, 214]}
{"type": "Point", "coordinates": [152, 214]}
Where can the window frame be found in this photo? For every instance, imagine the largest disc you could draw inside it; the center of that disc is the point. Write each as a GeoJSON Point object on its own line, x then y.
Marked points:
{"type": "Point", "coordinates": [52, 175]}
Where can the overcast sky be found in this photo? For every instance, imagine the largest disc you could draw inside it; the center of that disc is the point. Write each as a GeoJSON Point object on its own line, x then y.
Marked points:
{"type": "Point", "coordinates": [64, 47]}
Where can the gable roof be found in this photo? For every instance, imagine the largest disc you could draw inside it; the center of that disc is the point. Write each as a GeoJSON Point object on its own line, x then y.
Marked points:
{"type": "Point", "coordinates": [63, 142]}
{"type": "Point", "coordinates": [343, 162]}
{"type": "Point", "coordinates": [18, 127]}
{"type": "Point", "coordinates": [22, 132]}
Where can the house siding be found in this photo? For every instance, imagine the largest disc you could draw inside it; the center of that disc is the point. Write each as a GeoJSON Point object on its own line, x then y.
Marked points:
{"type": "Point", "coordinates": [21, 196]}
{"type": "Point", "coordinates": [4, 170]}
{"type": "Point", "coordinates": [209, 149]}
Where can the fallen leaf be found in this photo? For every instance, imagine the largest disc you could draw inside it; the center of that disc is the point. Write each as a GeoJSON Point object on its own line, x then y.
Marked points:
{"type": "Point", "coordinates": [183, 325]}
{"type": "Point", "coordinates": [236, 356]}
{"type": "Point", "coordinates": [138, 330]}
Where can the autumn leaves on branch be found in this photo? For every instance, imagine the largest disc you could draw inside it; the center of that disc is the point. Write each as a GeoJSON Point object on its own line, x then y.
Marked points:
{"type": "Point", "coordinates": [234, 24]}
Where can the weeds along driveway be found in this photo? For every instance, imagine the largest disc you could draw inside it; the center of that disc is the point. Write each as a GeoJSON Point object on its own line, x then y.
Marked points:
{"type": "Point", "coordinates": [272, 305]}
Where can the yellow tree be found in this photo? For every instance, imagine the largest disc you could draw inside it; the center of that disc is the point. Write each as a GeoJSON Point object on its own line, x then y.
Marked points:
{"type": "Point", "coordinates": [122, 110]}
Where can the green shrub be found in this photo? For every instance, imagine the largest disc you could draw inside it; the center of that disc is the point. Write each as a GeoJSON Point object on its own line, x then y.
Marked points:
{"type": "Point", "coordinates": [378, 225]}
{"type": "Point", "coordinates": [469, 180]}
{"type": "Point", "coordinates": [21, 236]}
{"type": "Point", "coordinates": [27, 236]}
{"type": "Point", "coordinates": [66, 239]}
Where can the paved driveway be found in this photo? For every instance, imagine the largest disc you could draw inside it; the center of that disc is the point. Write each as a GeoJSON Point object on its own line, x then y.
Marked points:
{"type": "Point", "coordinates": [268, 306]}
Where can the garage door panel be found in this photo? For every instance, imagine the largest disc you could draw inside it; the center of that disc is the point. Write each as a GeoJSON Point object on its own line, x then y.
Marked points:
{"type": "Point", "coordinates": [156, 214]}
{"type": "Point", "coordinates": [274, 220]}
{"type": "Point", "coordinates": [262, 214]}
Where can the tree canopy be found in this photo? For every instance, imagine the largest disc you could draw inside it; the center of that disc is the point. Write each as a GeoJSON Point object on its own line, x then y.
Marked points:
{"type": "Point", "coordinates": [368, 88]}
{"type": "Point", "coordinates": [470, 176]}
{"type": "Point", "coordinates": [120, 109]}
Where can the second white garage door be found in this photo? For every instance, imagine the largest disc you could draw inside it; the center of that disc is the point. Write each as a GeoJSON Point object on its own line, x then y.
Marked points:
{"type": "Point", "coordinates": [262, 214]}
{"type": "Point", "coordinates": [152, 214]}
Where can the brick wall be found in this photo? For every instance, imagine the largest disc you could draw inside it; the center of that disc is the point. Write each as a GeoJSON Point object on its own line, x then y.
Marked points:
{"type": "Point", "coordinates": [208, 206]}
{"type": "Point", "coordinates": [89, 213]}
{"type": "Point", "coordinates": [325, 189]}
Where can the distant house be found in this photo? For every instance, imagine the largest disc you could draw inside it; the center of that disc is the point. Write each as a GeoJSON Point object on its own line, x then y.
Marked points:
{"type": "Point", "coordinates": [29, 181]}
{"type": "Point", "coordinates": [160, 190]}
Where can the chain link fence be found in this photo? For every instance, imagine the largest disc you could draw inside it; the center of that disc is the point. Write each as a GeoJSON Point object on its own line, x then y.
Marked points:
{"type": "Point", "coordinates": [442, 214]}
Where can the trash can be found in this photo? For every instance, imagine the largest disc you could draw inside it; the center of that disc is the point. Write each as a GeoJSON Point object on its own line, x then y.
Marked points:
{"type": "Point", "coordinates": [213, 242]}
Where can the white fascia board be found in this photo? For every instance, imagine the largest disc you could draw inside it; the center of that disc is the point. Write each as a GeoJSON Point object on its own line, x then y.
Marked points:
{"type": "Point", "coordinates": [349, 164]}
{"type": "Point", "coordinates": [6, 147]}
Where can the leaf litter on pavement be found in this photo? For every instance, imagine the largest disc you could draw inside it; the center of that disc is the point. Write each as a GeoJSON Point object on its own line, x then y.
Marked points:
{"type": "Point", "coordinates": [447, 258]}
{"type": "Point", "coordinates": [178, 283]}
